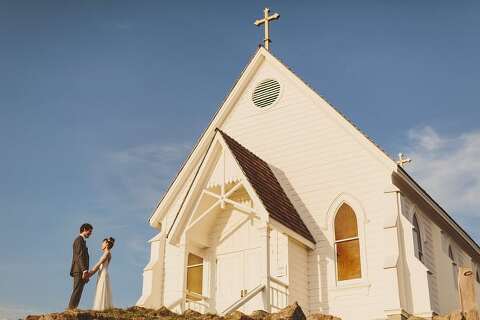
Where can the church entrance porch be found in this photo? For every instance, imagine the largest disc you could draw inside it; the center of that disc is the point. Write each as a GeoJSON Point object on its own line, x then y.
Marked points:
{"type": "Point", "coordinates": [236, 236]}
{"type": "Point", "coordinates": [224, 263]}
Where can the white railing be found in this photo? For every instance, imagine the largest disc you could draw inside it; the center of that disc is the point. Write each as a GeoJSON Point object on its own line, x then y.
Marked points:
{"type": "Point", "coordinates": [197, 302]}
{"type": "Point", "coordinates": [278, 294]}
{"type": "Point", "coordinates": [240, 302]}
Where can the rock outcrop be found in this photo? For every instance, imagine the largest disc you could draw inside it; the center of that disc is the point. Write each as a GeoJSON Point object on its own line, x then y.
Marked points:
{"type": "Point", "coordinates": [456, 315]}
{"type": "Point", "coordinates": [291, 312]}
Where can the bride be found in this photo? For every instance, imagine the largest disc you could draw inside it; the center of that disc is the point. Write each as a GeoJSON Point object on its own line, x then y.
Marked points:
{"type": "Point", "coordinates": [103, 294]}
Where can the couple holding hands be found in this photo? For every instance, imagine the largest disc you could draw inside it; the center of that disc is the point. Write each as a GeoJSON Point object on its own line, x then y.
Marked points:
{"type": "Point", "coordinates": [81, 273]}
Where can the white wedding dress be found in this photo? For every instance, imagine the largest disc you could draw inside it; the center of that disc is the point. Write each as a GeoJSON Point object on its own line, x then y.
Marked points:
{"type": "Point", "coordinates": [103, 293]}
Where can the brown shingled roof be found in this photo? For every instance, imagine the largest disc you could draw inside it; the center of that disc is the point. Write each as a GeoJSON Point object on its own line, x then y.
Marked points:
{"type": "Point", "coordinates": [267, 187]}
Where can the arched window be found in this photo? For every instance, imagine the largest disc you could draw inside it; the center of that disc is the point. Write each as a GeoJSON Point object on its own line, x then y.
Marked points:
{"type": "Point", "coordinates": [347, 244]}
{"type": "Point", "coordinates": [454, 266]}
{"type": "Point", "coordinates": [417, 238]}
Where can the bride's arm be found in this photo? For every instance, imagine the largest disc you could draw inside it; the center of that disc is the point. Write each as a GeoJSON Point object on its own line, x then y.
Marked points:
{"type": "Point", "coordinates": [99, 263]}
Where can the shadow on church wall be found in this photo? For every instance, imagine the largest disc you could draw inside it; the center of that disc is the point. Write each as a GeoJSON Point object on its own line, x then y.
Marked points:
{"type": "Point", "coordinates": [317, 233]}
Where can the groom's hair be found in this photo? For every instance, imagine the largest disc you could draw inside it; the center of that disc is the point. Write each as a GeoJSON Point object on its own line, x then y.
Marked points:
{"type": "Point", "coordinates": [86, 226]}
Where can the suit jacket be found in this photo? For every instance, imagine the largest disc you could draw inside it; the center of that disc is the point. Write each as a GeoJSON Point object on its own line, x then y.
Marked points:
{"type": "Point", "coordinates": [80, 258]}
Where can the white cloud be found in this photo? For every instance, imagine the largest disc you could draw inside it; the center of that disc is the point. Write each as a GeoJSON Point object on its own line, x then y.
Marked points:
{"type": "Point", "coordinates": [449, 169]}
{"type": "Point", "coordinates": [426, 138]}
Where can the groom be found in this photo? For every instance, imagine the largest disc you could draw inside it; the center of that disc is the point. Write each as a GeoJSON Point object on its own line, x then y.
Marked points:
{"type": "Point", "coordinates": [79, 268]}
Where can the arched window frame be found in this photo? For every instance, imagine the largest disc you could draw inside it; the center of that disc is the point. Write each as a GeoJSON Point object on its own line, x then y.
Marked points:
{"type": "Point", "coordinates": [329, 224]}
{"type": "Point", "coordinates": [417, 237]}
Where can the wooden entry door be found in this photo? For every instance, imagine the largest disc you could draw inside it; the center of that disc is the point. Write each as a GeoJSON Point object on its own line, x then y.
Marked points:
{"type": "Point", "coordinates": [237, 274]}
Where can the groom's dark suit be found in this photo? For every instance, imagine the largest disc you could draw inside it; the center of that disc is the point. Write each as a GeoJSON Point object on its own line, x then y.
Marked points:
{"type": "Point", "coordinates": [80, 262]}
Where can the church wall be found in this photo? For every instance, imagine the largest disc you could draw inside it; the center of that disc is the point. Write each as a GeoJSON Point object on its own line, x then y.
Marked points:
{"type": "Point", "coordinates": [174, 276]}
{"type": "Point", "coordinates": [279, 269]}
{"type": "Point", "coordinates": [443, 289]}
{"type": "Point", "coordinates": [288, 264]}
{"type": "Point", "coordinates": [448, 293]}
{"type": "Point", "coordinates": [316, 160]}
{"type": "Point", "coordinates": [298, 277]}
{"type": "Point", "coordinates": [476, 269]}
{"type": "Point", "coordinates": [422, 300]}
{"type": "Point", "coordinates": [152, 291]}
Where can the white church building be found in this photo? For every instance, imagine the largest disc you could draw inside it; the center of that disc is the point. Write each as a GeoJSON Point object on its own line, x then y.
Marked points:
{"type": "Point", "coordinates": [283, 200]}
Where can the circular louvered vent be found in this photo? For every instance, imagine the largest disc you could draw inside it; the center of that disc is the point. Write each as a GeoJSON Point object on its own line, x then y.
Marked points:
{"type": "Point", "coordinates": [266, 93]}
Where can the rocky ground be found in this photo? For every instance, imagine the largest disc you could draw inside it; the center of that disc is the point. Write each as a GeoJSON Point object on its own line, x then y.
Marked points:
{"type": "Point", "coordinates": [457, 315]}
{"type": "Point", "coordinates": [292, 312]}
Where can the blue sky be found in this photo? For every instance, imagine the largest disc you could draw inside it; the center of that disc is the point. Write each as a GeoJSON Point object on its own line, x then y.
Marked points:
{"type": "Point", "coordinates": [100, 101]}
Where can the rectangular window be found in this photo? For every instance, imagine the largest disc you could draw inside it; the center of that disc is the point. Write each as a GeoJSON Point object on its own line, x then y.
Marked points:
{"type": "Point", "coordinates": [348, 260]}
{"type": "Point", "coordinates": [194, 277]}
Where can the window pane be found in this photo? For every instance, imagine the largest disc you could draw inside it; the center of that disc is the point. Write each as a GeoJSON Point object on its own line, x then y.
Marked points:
{"type": "Point", "coordinates": [348, 260]}
{"type": "Point", "coordinates": [345, 223]}
{"type": "Point", "coordinates": [417, 244]}
{"type": "Point", "coordinates": [195, 279]}
{"type": "Point", "coordinates": [417, 240]}
{"type": "Point", "coordinates": [194, 259]}
{"type": "Point", "coordinates": [450, 254]}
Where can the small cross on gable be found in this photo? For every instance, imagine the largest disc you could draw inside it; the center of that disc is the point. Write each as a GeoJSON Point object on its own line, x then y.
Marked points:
{"type": "Point", "coordinates": [403, 160]}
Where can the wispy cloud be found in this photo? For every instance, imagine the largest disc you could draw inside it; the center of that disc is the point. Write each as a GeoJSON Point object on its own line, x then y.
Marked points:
{"type": "Point", "coordinates": [449, 168]}
{"type": "Point", "coordinates": [130, 182]}
{"type": "Point", "coordinates": [137, 176]}
{"type": "Point", "coordinates": [15, 312]}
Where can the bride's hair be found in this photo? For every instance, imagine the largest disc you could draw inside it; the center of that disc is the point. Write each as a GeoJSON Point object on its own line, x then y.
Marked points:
{"type": "Point", "coordinates": [110, 242]}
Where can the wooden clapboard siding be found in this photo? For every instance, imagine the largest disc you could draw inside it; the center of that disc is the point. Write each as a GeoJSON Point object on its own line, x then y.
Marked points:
{"type": "Point", "coordinates": [442, 289]}
{"type": "Point", "coordinates": [298, 278]}
{"type": "Point", "coordinates": [315, 159]}
{"type": "Point", "coordinates": [413, 263]}
{"type": "Point", "coordinates": [174, 276]}
{"type": "Point", "coordinates": [279, 269]}
{"type": "Point", "coordinates": [476, 268]}
{"type": "Point", "coordinates": [426, 231]}
{"type": "Point", "coordinates": [279, 256]}
{"type": "Point", "coordinates": [448, 297]}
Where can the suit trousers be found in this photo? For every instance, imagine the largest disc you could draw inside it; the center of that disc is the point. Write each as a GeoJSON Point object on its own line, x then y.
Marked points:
{"type": "Point", "coordinates": [78, 284]}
